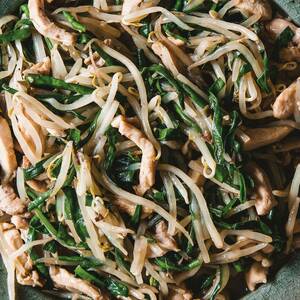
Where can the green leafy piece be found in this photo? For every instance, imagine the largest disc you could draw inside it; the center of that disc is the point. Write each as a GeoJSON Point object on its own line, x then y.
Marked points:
{"type": "Point", "coordinates": [76, 25]}
{"type": "Point", "coordinates": [115, 287]}
{"type": "Point", "coordinates": [24, 8]}
{"type": "Point", "coordinates": [262, 81]}
{"type": "Point", "coordinates": [45, 81]}
{"type": "Point", "coordinates": [194, 96]}
{"type": "Point", "coordinates": [167, 265]}
{"type": "Point", "coordinates": [38, 201]}
{"type": "Point", "coordinates": [162, 71]}
{"type": "Point", "coordinates": [74, 135]}
{"type": "Point", "coordinates": [15, 35]}
{"type": "Point", "coordinates": [50, 247]}
{"type": "Point", "coordinates": [137, 215]}
{"type": "Point", "coordinates": [217, 128]}
{"type": "Point", "coordinates": [84, 262]}
{"type": "Point", "coordinates": [122, 263]}
{"type": "Point", "coordinates": [186, 119]}
{"type": "Point", "coordinates": [112, 137]}
{"type": "Point", "coordinates": [72, 212]}
{"type": "Point", "coordinates": [109, 61]}
{"type": "Point", "coordinates": [84, 38]}
{"type": "Point", "coordinates": [284, 38]}
{"type": "Point", "coordinates": [167, 134]}
{"type": "Point", "coordinates": [192, 5]}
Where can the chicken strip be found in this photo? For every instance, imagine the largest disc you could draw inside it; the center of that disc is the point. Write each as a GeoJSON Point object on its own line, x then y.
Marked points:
{"type": "Point", "coordinates": [8, 160]}
{"type": "Point", "coordinates": [180, 294]}
{"type": "Point", "coordinates": [10, 203]}
{"type": "Point", "coordinates": [259, 137]}
{"type": "Point", "coordinates": [257, 274]}
{"type": "Point", "coordinates": [284, 105]}
{"type": "Point", "coordinates": [24, 266]}
{"type": "Point", "coordinates": [47, 28]}
{"type": "Point", "coordinates": [128, 207]}
{"type": "Point", "coordinates": [264, 199]}
{"type": "Point", "coordinates": [42, 68]}
{"type": "Point", "coordinates": [147, 170]}
{"type": "Point", "coordinates": [65, 280]}
{"type": "Point", "coordinates": [256, 7]}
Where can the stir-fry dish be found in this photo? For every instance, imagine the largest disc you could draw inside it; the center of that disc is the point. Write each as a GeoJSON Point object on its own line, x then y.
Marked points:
{"type": "Point", "coordinates": [149, 149]}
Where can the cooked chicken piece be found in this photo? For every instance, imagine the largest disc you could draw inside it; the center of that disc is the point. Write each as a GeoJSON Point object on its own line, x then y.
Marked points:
{"type": "Point", "coordinates": [24, 273]}
{"type": "Point", "coordinates": [291, 53]}
{"type": "Point", "coordinates": [8, 160]}
{"type": "Point", "coordinates": [167, 58]}
{"type": "Point", "coordinates": [256, 7]}
{"type": "Point", "coordinates": [42, 68]}
{"type": "Point", "coordinates": [257, 274]}
{"type": "Point", "coordinates": [284, 104]}
{"type": "Point", "coordinates": [259, 137]}
{"type": "Point", "coordinates": [46, 27]}
{"type": "Point", "coordinates": [163, 238]}
{"type": "Point", "coordinates": [147, 170]}
{"type": "Point", "coordinates": [277, 25]}
{"type": "Point", "coordinates": [19, 222]}
{"type": "Point", "coordinates": [10, 203]}
{"type": "Point", "coordinates": [180, 294]}
{"type": "Point", "coordinates": [128, 207]}
{"type": "Point", "coordinates": [65, 280]}
{"type": "Point", "coordinates": [264, 199]}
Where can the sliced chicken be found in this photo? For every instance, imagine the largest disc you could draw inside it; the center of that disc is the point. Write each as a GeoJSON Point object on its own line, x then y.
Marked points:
{"type": "Point", "coordinates": [164, 239]}
{"type": "Point", "coordinates": [42, 68]}
{"type": "Point", "coordinates": [147, 170]}
{"type": "Point", "coordinates": [284, 105]}
{"type": "Point", "coordinates": [8, 160]}
{"type": "Point", "coordinates": [10, 203]}
{"type": "Point", "coordinates": [46, 27]}
{"type": "Point", "coordinates": [256, 7]}
{"type": "Point", "coordinates": [180, 294]}
{"type": "Point", "coordinates": [165, 242]}
{"type": "Point", "coordinates": [66, 280]}
{"type": "Point", "coordinates": [291, 53]}
{"type": "Point", "coordinates": [128, 207]}
{"type": "Point", "coordinates": [259, 137]}
{"type": "Point", "coordinates": [167, 58]}
{"type": "Point", "coordinates": [264, 199]}
{"type": "Point", "coordinates": [19, 222]}
{"type": "Point", "coordinates": [278, 25]}
{"type": "Point", "coordinates": [257, 274]}
{"type": "Point", "coordinates": [24, 266]}
{"type": "Point", "coordinates": [196, 172]}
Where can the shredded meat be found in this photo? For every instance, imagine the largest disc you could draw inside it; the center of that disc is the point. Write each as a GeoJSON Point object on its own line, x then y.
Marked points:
{"type": "Point", "coordinates": [45, 27]}
{"type": "Point", "coordinates": [128, 207]}
{"type": "Point", "coordinates": [65, 280]}
{"type": "Point", "coordinates": [8, 160]}
{"type": "Point", "coordinates": [264, 199]}
{"type": "Point", "coordinates": [166, 56]}
{"type": "Point", "coordinates": [197, 176]}
{"type": "Point", "coordinates": [24, 267]}
{"type": "Point", "coordinates": [255, 7]}
{"type": "Point", "coordinates": [259, 137]}
{"type": "Point", "coordinates": [291, 53]}
{"type": "Point", "coordinates": [257, 274]}
{"type": "Point", "coordinates": [180, 294]}
{"type": "Point", "coordinates": [284, 104]}
{"type": "Point", "coordinates": [10, 203]}
{"type": "Point", "coordinates": [42, 68]}
{"type": "Point", "coordinates": [147, 170]}
{"type": "Point", "coordinates": [19, 222]}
